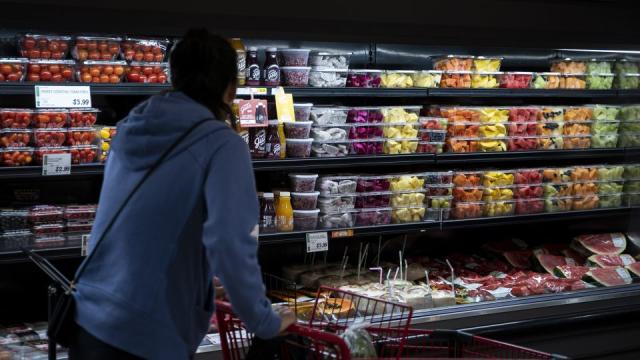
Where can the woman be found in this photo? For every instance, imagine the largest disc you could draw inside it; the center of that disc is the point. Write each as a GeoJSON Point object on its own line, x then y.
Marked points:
{"type": "Point", "coordinates": [147, 291]}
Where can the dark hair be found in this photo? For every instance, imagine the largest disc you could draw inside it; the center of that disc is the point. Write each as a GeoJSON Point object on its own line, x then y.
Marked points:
{"type": "Point", "coordinates": [203, 66]}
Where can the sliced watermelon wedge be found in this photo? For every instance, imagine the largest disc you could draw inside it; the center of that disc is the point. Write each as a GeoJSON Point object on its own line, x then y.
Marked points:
{"type": "Point", "coordinates": [576, 256]}
{"type": "Point", "coordinates": [603, 244]}
{"type": "Point", "coordinates": [549, 262]}
{"type": "Point", "coordinates": [611, 260]}
{"type": "Point", "coordinates": [634, 269]}
{"type": "Point", "coordinates": [570, 271]}
{"type": "Point", "coordinates": [519, 259]}
{"type": "Point", "coordinates": [611, 276]}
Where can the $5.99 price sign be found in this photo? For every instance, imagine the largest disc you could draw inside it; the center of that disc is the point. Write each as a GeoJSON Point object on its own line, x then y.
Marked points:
{"type": "Point", "coordinates": [317, 242]}
{"type": "Point", "coordinates": [63, 96]}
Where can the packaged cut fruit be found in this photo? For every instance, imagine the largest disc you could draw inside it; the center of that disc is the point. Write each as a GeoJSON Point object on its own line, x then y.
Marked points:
{"type": "Point", "coordinates": [529, 128]}
{"type": "Point", "coordinates": [433, 123]}
{"type": "Point", "coordinates": [407, 198]}
{"type": "Point", "coordinates": [50, 118]}
{"type": "Point", "coordinates": [41, 151]}
{"type": "Point", "coordinates": [365, 115]}
{"type": "Point", "coordinates": [492, 130]}
{"type": "Point", "coordinates": [15, 137]}
{"type": "Point", "coordinates": [91, 71]}
{"type": "Point", "coordinates": [529, 206]}
{"type": "Point", "coordinates": [81, 136]}
{"type": "Point", "coordinates": [485, 80]}
{"type": "Point", "coordinates": [327, 77]}
{"type": "Point", "coordinates": [84, 226]}
{"type": "Point", "coordinates": [555, 113]}
{"type": "Point", "coordinates": [458, 113]}
{"type": "Point", "coordinates": [303, 182]}
{"type": "Point", "coordinates": [498, 208]}
{"type": "Point", "coordinates": [515, 80]}
{"type": "Point", "coordinates": [573, 81]}
{"type": "Point", "coordinates": [299, 148]}
{"type": "Point", "coordinates": [297, 129]}
{"type": "Point", "coordinates": [50, 137]}
{"type": "Point", "coordinates": [556, 175]}
{"type": "Point", "coordinates": [83, 154]}
{"type": "Point", "coordinates": [336, 203]}
{"type": "Point", "coordinates": [598, 66]}
{"type": "Point", "coordinates": [456, 79]}
{"type": "Point", "coordinates": [628, 139]}
{"type": "Point", "coordinates": [400, 79]}
{"type": "Point", "coordinates": [96, 48]}
{"type": "Point", "coordinates": [631, 199]}
{"type": "Point", "coordinates": [364, 78]}
{"type": "Point", "coordinates": [481, 63]}
{"type": "Point", "coordinates": [558, 189]}
{"type": "Point", "coordinates": [302, 111]}
{"type": "Point", "coordinates": [406, 182]}
{"type": "Point", "coordinates": [439, 177]}
{"type": "Point", "coordinates": [433, 135]}
{"type": "Point", "coordinates": [463, 145]}
{"type": "Point", "coordinates": [16, 156]}
{"type": "Point", "coordinates": [430, 147]}
{"type": "Point", "coordinates": [12, 69]}
{"type": "Point", "coordinates": [546, 80]}
{"type": "Point", "coordinates": [610, 201]}
{"type": "Point", "coordinates": [15, 118]}
{"type": "Point", "coordinates": [631, 172]}
{"type": "Point", "coordinates": [467, 210]}
{"type": "Point", "coordinates": [528, 191]}
{"type": "Point", "coordinates": [438, 214]}
{"type": "Point", "coordinates": [329, 115]}
{"type": "Point", "coordinates": [337, 220]}
{"type": "Point", "coordinates": [405, 215]}
{"type": "Point", "coordinates": [626, 66]}
{"type": "Point", "coordinates": [576, 142]}
{"type": "Point", "coordinates": [426, 78]}
{"type": "Point", "coordinates": [558, 204]}
{"type": "Point", "coordinates": [373, 183]}
{"type": "Point", "coordinates": [550, 128]}
{"type": "Point", "coordinates": [610, 172]}
{"type": "Point", "coordinates": [550, 143]}
{"type": "Point", "coordinates": [439, 202]}
{"type": "Point", "coordinates": [294, 57]}
{"type": "Point", "coordinates": [366, 147]}
{"type": "Point", "coordinates": [332, 185]}
{"type": "Point", "coordinates": [522, 143]}
{"type": "Point", "coordinates": [330, 148]}
{"type": "Point", "coordinates": [329, 60]}
{"type": "Point", "coordinates": [627, 81]}
{"type": "Point", "coordinates": [297, 76]}
{"type": "Point", "coordinates": [585, 202]}
{"type": "Point", "coordinates": [463, 129]}
{"type": "Point", "coordinates": [147, 72]}
{"type": "Point", "coordinates": [401, 131]}
{"type": "Point", "coordinates": [524, 113]}
{"type": "Point", "coordinates": [600, 81]}
{"type": "Point", "coordinates": [439, 190]}
{"type": "Point", "coordinates": [305, 220]}
{"type": "Point", "coordinates": [468, 193]}
{"type": "Point", "coordinates": [304, 200]}
{"type": "Point", "coordinates": [52, 228]}
{"type": "Point", "coordinates": [50, 70]}
{"type": "Point", "coordinates": [400, 146]}
{"type": "Point", "coordinates": [453, 62]}
{"type": "Point", "coordinates": [605, 127]}
{"type": "Point", "coordinates": [13, 219]}
{"type": "Point", "coordinates": [75, 212]}
{"type": "Point", "coordinates": [139, 49]}
{"type": "Point", "coordinates": [604, 112]}
{"type": "Point", "coordinates": [45, 214]}
{"type": "Point", "coordinates": [527, 176]}
{"type": "Point", "coordinates": [632, 186]}
{"type": "Point", "coordinates": [373, 216]}
{"type": "Point", "coordinates": [569, 66]}
{"type": "Point", "coordinates": [577, 128]}
{"type": "Point", "coordinates": [493, 115]}
{"type": "Point", "coordinates": [373, 200]}
{"type": "Point", "coordinates": [467, 178]}
{"type": "Point", "coordinates": [330, 132]}
{"type": "Point", "coordinates": [36, 46]}
{"type": "Point", "coordinates": [401, 114]}
{"type": "Point", "coordinates": [496, 193]}
{"type": "Point", "coordinates": [83, 117]}
{"type": "Point", "coordinates": [610, 187]}
{"type": "Point", "coordinates": [584, 188]}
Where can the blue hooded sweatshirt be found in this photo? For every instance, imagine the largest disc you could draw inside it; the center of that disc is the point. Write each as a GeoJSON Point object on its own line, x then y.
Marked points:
{"type": "Point", "coordinates": [148, 288]}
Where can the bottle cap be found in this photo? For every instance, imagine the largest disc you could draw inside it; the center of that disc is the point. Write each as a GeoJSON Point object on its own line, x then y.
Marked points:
{"type": "Point", "coordinates": [285, 194]}
{"type": "Point", "coordinates": [268, 195]}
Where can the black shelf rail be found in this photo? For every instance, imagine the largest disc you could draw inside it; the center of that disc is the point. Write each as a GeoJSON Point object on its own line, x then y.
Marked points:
{"type": "Point", "coordinates": [392, 229]}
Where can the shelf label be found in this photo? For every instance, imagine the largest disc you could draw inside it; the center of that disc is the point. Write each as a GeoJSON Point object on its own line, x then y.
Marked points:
{"type": "Point", "coordinates": [63, 96]}
{"type": "Point", "coordinates": [84, 243]}
{"type": "Point", "coordinates": [342, 233]}
{"type": "Point", "coordinates": [318, 241]}
{"type": "Point", "coordinates": [252, 91]}
{"type": "Point", "coordinates": [56, 164]}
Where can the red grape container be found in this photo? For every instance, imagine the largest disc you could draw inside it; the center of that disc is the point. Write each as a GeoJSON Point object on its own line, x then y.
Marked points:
{"type": "Point", "coordinates": [45, 214]}
{"type": "Point", "coordinates": [75, 212]}
{"type": "Point", "coordinates": [37, 46]}
{"type": "Point", "coordinates": [13, 69]}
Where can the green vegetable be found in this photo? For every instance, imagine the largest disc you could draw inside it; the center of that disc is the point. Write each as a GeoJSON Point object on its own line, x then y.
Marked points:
{"type": "Point", "coordinates": [602, 112]}
{"type": "Point", "coordinates": [632, 186]}
{"type": "Point", "coordinates": [595, 67]}
{"type": "Point", "coordinates": [632, 199]}
{"type": "Point", "coordinates": [613, 187]}
{"type": "Point", "coordinates": [632, 171]}
{"type": "Point", "coordinates": [611, 172]}
{"type": "Point", "coordinates": [604, 141]}
{"type": "Point", "coordinates": [606, 127]}
{"type": "Point", "coordinates": [630, 126]}
{"type": "Point", "coordinates": [626, 67]}
{"type": "Point", "coordinates": [628, 139]}
{"type": "Point", "coordinates": [610, 201]}
{"type": "Point", "coordinates": [627, 81]}
{"type": "Point", "coordinates": [630, 112]}
{"type": "Point", "coordinates": [600, 81]}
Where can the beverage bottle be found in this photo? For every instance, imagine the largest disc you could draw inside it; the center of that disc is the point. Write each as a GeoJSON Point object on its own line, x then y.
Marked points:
{"type": "Point", "coordinates": [261, 114]}
{"type": "Point", "coordinates": [253, 67]}
{"type": "Point", "coordinates": [271, 68]}
{"type": "Point", "coordinates": [284, 213]}
{"type": "Point", "coordinates": [257, 140]}
{"type": "Point", "coordinates": [238, 46]}
{"type": "Point", "coordinates": [268, 214]}
{"type": "Point", "coordinates": [272, 145]}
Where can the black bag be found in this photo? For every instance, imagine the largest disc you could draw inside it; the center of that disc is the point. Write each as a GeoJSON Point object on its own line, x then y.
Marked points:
{"type": "Point", "coordinates": [62, 309]}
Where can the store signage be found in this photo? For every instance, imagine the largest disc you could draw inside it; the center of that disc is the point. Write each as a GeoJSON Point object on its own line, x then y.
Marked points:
{"type": "Point", "coordinates": [56, 164]}
{"type": "Point", "coordinates": [63, 96]}
{"type": "Point", "coordinates": [342, 233]}
{"type": "Point", "coordinates": [318, 241]}
{"type": "Point", "coordinates": [284, 105]}
{"type": "Point", "coordinates": [84, 243]}
{"type": "Point", "coordinates": [253, 113]}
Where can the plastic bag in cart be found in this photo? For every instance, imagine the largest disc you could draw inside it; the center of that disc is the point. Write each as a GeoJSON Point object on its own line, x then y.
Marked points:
{"type": "Point", "coordinates": [359, 340]}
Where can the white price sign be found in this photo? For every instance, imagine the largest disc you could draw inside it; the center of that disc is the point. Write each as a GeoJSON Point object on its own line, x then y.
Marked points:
{"type": "Point", "coordinates": [56, 164]}
{"type": "Point", "coordinates": [317, 242]}
{"type": "Point", "coordinates": [84, 244]}
{"type": "Point", "coordinates": [63, 96]}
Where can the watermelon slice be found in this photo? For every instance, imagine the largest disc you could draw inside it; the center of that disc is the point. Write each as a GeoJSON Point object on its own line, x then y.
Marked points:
{"type": "Point", "coordinates": [611, 260]}
{"type": "Point", "coordinates": [603, 244]}
{"type": "Point", "coordinates": [519, 259]}
{"type": "Point", "coordinates": [611, 276]}
{"type": "Point", "coordinates": [634, 269]}
{"type": "Point", "coordinates": [549, 262]}
{"type": "Point", "coordinates": [576, 256]}
{"type": "Point", "coordinates": [570, 271]}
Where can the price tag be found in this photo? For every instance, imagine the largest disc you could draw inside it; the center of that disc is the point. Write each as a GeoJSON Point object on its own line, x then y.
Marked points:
{"type": "Point", "coordinates": [56, 164]}
{"type": "Point", "coordinates": [252, 91]}
{"type": "Point", "coordinates": [63, 96]}
{"type": "Point", "coordinates": [317, 242]}
{"type": "Point", "coordinates": [342, 233]}
{"type": "Point", "coordinates": [84, 243]}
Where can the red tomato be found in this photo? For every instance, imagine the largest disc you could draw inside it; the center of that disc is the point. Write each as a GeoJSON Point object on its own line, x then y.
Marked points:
{"type": "Point", "coordinates": [83, 54]}
{"type": "Point", "coordinates": [104, 78]}
{"type": "Point", "coordinates": [94, 55]}
{"type": "Point", "coordinates": [156, 50]}
{"type": "Point", "coordinates": [34, 68]}
{"type": "Point", "coordinates": [148, 57]}
{"type": "Point", "coordinates": [95, 79]}
{"type": "Point", "coordinates": [139, 56]}
{"type": "Point", "coordinates": [133, 77]}
{"type": "Point", "coordinates": [113, 78]}
{"type": "Point", "coordinates": [42, 43]}
{"type": "Point", "coordinates": [118, 70]}
{"type": "Point", "coordinates": [81, 44]}
{"type": "Point", "coordinates": [64, 46]}
{"type": "Point", "coordinates": [45, 54]}
{"type": "Point", "coordinates": [54, 69]}
{"type": "Point", "coordinates": [162, 78]}
{"type": "Point", "coordinates": [95, 71]}
{"type": "Point", "coordinates": [13, 77]}
{"type": "Point", "coordinates": [67, 73]}
{"type": "Point", "coordinates": [45, 75]}
{"type": "Point", "coordinates": [152, 79]}
{"type": "Point", "coordinates": [29, 43]}
{"type": "Point", "coordinates": [56, 78]}
{"type": "Point", "coordinates": [106, 56]}
{"type": "Point", "coordinates": [34, 54]}
{"type": "Point", "coordinates": [158, 57]}
{"type": "Point", "coordinates": [147, 70]}
{"type": "Point", "coordinates": [114, 49]}
{"type": "Point", "coordinates": [6, 69]}
{"type": "Point", "coordinates": [92, 45]}
{"type": "Point", "coordinates": [103, 47]}
{"type": "Point", "coordinates": [57, 55]}
{"type": "Point", "coordinates": [34, 77]}
{"type": "Point", "coordinates": [108, 70]}
{"type": "Point", "coordinates": [54, 46]}
{"type": "Point", "coordinates": [1, 78]}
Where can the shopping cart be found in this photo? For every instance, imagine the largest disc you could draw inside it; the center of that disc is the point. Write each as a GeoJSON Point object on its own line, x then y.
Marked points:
{"type": "Point", "coordinates": [387, 324]}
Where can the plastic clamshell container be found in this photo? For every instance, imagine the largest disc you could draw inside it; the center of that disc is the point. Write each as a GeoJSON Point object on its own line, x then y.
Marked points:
{"type": "Point", "coordinates": [453, 62]}
{"type": "Point", "coordinates": [331, 132]}
{"type": "Point", "coordinates": [605, 127]}
{"type": "Point", "coordinates": [408, 198]}
{"type": "Point", "coordinates": [438, 214]}
{"type": "Point", "coordinates": [523, 128]}
{"type": "Point", "coordinates": [305, 220]}
{"type": "Point", "coordinates": [44, 46]}
{"type": "Point", "coordinates": [468, 193]}
{"type": "Point", "coordinates": [588, 202]}
{"type": "Point", "coordinates": [397, 79]}
{"type": "Point", "coordinates": [546, 80]}
{"type": "Point", "coordinates": [585, 188]}
{"type": "Point", "coordinates": [373, 216]}
{"type": "Point", "coordinates": [367, 147]}
{"type": "Point", "coordinates": [558, 203]}
{"type": "Point", "coordinates": [527, 176]}
{"type": "Point", "coordinates": [610, 187]}
{"type": "Point", "coordinates": [608, 201]}
{"type": "Point", "coordinates": [396, 131]}
{"type": "Point", "coordinates": [373, 199]}
{"type": "Point", "coordinates": [82, 225]}
{"type": "Point", "coordinates": [439, 189]}
{"type": "Point", "coordinates": [331, 148]}
{"type": "Point", "coordinates": [467, 178]}
{"type": "Point", "coordinates": [50, 118]}
{"type": "Point", "coordinates": [604, 112]}
{"type": "Point", "coordinates": [15, 239]}
{"type": "Point", "coordinates": [15, 137]}
{"type": "Point", "coordinates": [364, 78]}
{"type": "Point", "coordinates": [515, 79]}
{"type": "Point", "coordinates": [627, 81]}
{"type": "Point", "coordinates": [74, 212]}
{"type": "Point", "coordinates": [465, 129]}
{"type": "Point", "coordinates": [556, 175]}
{"type": "Point", "coordinates": [528, 206]}
{"type": "Point", "coordinates": [573, 81]}
{"type": "Point", "coordinates": [522, 143]}
{"type": "Point", "coordinates": [83, 154]}
{"type": "Point", "coordinates": [602, 141]}
{"type": "Point", "coordinates": [327, 78]}
{"type": "Point", "coordinates": [569, 66]}
{"type": "Point", "coordinates": [304, 200]}
{"type": "Point", "coordinates": [550, 143]}
{"type": "Point", "coordinates": [83, 117]}
{"type": "Point", "coordinates": [360, 131]}
{"type": "Point", "coordinates": [334, 60]}
{"type": "Point", "coordinates": [550, 128]}
{"type": "Point", "coordinates": [499, 208]}
{"type": "Point", "coordinates": [406, 182]}
{"type": "Point", "coordinates": [610, 172]}
{"type": "Point", "coordinates": [81, 136]}
{"type": "Point", "coordinates": [105, 72]}
{"type": "Point", "coordinates": [44, 214]}
{"type": "Point", "coordinates": [50, 70]}
{"type": "Point", "coordinates": [409, 214]}
{"type": "Point", "coordinates": [438, 177]}
{"type": "Point", "coordinates": [400, 146]}
{"type": "Point", "coordinates": [303, 182]}
{"type": "Point", "coordinates": [430, 147]}
{"type": "Point", "coordinates": [365, 115]}
{"type": "Point", "coordinates": [498, 193]}
{"type": "Point", "coordinates": [631, 172]}
{"type": "Point", "coordinates": [600, 81]}
{"type": "Point", "coordinates": [367, 184]}
{"type": "Point", "coordinates": [528, 191]}
{"type": "Point", "coordinates": [294, 57]}
{"type": "Point", "coordinates": [439, 202]}
{"type": "Point", "coordinates": [15, 118]}
{"type": "Point", "coordinates": [297, 129]}
{"type": "Point", "coordinates": [629, 139]}
{"type": "Point", "coordinates": [325, 115]}
{"type": "Point", "coordinates": [632, 186]}
{"type": "Point", "coordinates": [596, 66]}
{"type": "Point", "coordinates": [13, 219]}
{"type": "Point", "coordinates": [485, 79]}
{"type": "Point", "coordinates": [146, 72]}
{"type": "Point", "coordinates": [41, 151]}
{"type": "Point", "coordinates": [13, 69]}
{"type": "Point", "coordinates": [336, 203]}
{"type": "Point", "coordinates": [577, 128]}
{"type": "Point", "coordinates": [466, 145]}
{"type": "Point", "coordinates": [456, 79]}
{"type": "Point", "coordinates": [626, 66]}
{"type": "Point", "coordinates": [426, 78]}
{"type": "Point", "coordinates": [144, 49]}
{"type": "Point", "coordinates": [20, 156]}
{"type": "Point", "coordinates": [433, 123]}
{"type": "Point", "coordinates": [334, 185]}
{"type": "Point", "coordinates": [50, 137]}
{"type": "Point", "coordinates": [344, 219]}
{"type": "Point", "coordinates": [459, 113]}
{"type": "Point", "coordinates": [96, 48]}
{"type": "Point", "coordinates": [487, 63]}
{"type": "Point", "coordinates": [299, 148]}
{"type": "Point", "coordinates": [401, 114]}
{"type": "Point", "coordinates": [551, 113]}
{"type": "Point", "coordinates": [576, 142]}
{"type": "Point", "coordinates": [497, 178]}
{"type": "Point", "coordinates": [52, 228]}
{"type": "Point", "coordinates": [302, 111]}
{"type": "Point", "coordinates": [296, 76]}
{"type": "Point", "coordinates": [467, 210]}
{"type": "Point", "coordinates": [433, 135]}
{"type": "Point", "coordinates": [631, 199]}
{"type": "Point", "coordinates": [558, 189]}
